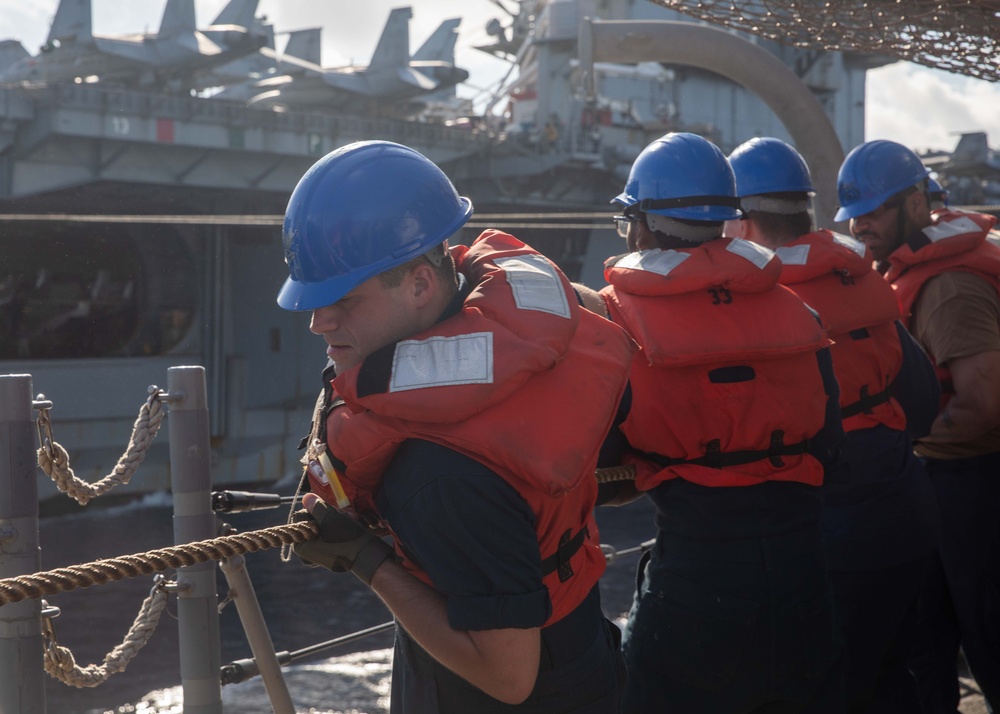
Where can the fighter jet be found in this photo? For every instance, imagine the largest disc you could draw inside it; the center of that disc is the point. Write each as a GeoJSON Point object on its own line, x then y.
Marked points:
{"type": "Point", "coordinates": [11, 51]}
{"type": "Point", "coordinates": [970, 173]}
{"type": "Point", "coordinates": [239, 78]}
{"type": "Point", "coordinates": [73, 53]}
{"type": "Point", "coordinates": [391, 77]}
{"type": "Point", "coordinates": [436, 58]}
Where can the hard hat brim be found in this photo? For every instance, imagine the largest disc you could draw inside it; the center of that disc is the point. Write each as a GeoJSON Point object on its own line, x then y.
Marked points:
{"type": "Point", "coordinates": [860, 208]}
{"type": "Point", "coordinates": [298, 295]}
{"type": "Point", "coordinates": [624, 200]}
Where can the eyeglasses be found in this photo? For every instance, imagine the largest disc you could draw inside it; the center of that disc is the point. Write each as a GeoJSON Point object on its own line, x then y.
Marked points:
{"type": "Point", "coordinates": [622, 224]}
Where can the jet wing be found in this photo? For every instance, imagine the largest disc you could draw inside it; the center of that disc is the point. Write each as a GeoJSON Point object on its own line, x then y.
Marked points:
{"type": "Point", "coordinates": [420, 81]}
{"type": "Point", "coordinates": [348, 81]}
{"type": "Point", "coordinates": [198, 43]}
{"type": "Point", "coordinates": [140, 52]}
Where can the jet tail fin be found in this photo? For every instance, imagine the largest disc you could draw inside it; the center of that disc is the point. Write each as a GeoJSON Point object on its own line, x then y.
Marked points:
{"type": "Point", "coordinates": [971, 147]}
{"type": "Point", "coordinates": [11, 51]}
{"type": "Point", "coordinates": [393, 48]}
{"type": "Point", "coordinates": [440, 46]}
{"type": "Point", "coordinates": [72, 22]}
{"type": "Point", "coordinates": [304, 45]}
{"type": "Point", "coordinates": [238, 12]}
{"type": "Point", "coordinates": [178, 18]}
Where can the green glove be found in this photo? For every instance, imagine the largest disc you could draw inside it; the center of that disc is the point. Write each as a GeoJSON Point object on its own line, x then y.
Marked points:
{"type": "Point", "coordinates": [343, 544]}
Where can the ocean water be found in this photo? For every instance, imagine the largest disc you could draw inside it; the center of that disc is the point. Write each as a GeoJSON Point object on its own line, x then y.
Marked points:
{"type": "Point", "coordinates": [302, 606]}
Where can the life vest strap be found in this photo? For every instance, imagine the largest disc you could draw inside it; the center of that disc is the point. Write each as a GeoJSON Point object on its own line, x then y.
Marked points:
{"type": "Point", "coordinates": [715, 458]}
{"type": "Point", "coordinates": [866, 404]}
{"type": "Point", "coordinates": [568, 545]}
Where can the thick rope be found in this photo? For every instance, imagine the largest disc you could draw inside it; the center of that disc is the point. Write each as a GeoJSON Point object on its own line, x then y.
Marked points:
{"type": "Point", "coordinates": [61, 665]}
{"type": "Point", "coordinates": [615, 473]}
{"type": "Point", "coordinates": [54, 460]}
{"type": "Point", "coordinates": [37, 585]}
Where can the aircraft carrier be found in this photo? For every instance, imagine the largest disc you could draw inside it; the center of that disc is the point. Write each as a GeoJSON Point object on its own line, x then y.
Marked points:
{"type": "Point", "coordinates": [140, 202]}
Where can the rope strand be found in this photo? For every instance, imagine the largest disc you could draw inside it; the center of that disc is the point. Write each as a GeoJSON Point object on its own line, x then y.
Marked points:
{"type": "Point", "coordinates": [54, 459]}
{"type": "Point", "coordinates": [59, 661]}
{"type": "Point", "coordinates": [37, 585]}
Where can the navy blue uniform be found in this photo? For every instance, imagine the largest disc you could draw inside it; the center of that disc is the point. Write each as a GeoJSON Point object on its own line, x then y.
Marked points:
{"type": "Point", "coordinates": [474, 536]}
{"type": "Point", "coordinates": [737, 582]}
{"type": "Point", "coordinates": [881, 524]}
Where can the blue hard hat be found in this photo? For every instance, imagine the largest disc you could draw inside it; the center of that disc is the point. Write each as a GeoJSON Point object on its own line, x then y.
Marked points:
{"type": "Point", "coordinates": [936, 189]}
{"type": "Point", "coordinates": [682, 176]}
{"type": "Point", "coordinates": [766, 165]}
{"type": "Point", "coordinates": [359, 211]}
{"type": "Point", "coordinates": [873, 173]}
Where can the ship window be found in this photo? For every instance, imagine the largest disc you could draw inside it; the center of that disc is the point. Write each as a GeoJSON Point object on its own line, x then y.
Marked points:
{"type": "Point", "coordinates": [86, 292]}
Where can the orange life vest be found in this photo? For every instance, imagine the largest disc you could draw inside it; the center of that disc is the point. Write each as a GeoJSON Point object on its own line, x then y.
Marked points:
{"type": "Point", "coordinates": [522, 380]}
{"type": "Point", "coordinates": [833, 274]}
{"type": "Point", "coordinates": [726, 388]}
{"type": "Point", "coordinates": [955, 242]}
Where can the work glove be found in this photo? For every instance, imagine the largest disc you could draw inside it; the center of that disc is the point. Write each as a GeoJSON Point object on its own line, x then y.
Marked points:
{"type": "Point", "coordinates": [343, 544]}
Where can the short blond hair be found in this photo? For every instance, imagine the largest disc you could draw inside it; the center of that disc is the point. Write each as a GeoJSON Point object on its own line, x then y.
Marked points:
{"type": "Point", "coordinates": [444, 267]}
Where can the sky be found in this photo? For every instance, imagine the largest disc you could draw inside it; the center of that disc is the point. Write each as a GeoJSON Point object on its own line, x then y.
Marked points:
{"type": "Point", "coordinates": [920, 107]}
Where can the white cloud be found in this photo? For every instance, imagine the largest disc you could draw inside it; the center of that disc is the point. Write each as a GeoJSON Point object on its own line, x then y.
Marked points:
{"type": "Point", "coordinates": [928, 109]}
{"type": "Point", "coordinates": [26, 22]}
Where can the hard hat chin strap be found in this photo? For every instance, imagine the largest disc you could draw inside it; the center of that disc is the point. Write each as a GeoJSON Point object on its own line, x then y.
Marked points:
{"type": "Point", "coordinates": [435, 256]}
{"type": "Point", "coordinates": [781, 206]}
{"type": "Point", "coordinates": [685, 231]}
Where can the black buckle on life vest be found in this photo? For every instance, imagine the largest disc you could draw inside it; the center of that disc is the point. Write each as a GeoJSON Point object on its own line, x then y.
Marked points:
{"type": "Point", "coordinates": [777, 445]}
{"type": "Point", "coordinates": [568, 545]}
{"type": "Point", "coordinates": [713, 454]}
{"type": "Point", "coordinates": [866, 403]}
{"type": "Point", "coordinates": [715, 458]}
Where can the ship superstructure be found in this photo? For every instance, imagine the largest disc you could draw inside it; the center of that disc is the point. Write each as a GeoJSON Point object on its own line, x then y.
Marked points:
{"type": "Point", "coordinates": [166, 249]}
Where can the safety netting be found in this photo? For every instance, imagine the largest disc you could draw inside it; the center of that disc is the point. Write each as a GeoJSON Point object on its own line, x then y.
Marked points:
{"type": "Point", "coordinates": [959, 36]}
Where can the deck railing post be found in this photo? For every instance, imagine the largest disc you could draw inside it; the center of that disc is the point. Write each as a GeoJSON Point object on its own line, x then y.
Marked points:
{"type": "Point", "coordinates": [22, 676]}
{"type": "Point", "coordinates": [194, 520]}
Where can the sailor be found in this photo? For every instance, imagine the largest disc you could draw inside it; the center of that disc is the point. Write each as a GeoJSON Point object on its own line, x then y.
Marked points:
{"type": "Point", "coordinates": [734, 417]}
{"type": "Point", "coordinates": [880, 518]}
{"type": "Point", "coordinates": [465, 401]}
{"type": "Point", "coordinates": [946, 275]}
{"type": "Point", "coordinates": [937, 195]}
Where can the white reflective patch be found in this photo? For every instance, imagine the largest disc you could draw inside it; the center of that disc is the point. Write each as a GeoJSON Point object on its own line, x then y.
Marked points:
{"type": "Point", "coordinates": [442, 361]}
{"type": "Point", "coordinates": [653, 261]}
{"type": "Point", "coordinates": [947, 229]}
{"type": "Point", "coordinates": [793, 254]}
{"type": "Point", "coordinates": [756, 254]}
{"type": "Point", "coordinates": [535, 284]}
{"type": "Point", "coordinates": [848, 242]}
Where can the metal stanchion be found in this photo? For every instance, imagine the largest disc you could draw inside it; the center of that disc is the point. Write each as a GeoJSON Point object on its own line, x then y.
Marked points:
{"type": "Point", "coordinates": [22, 676]}
{"type": "Point", "coordinates": [197, 600]}
{"type": "Point", "coordinates": [242, 593]}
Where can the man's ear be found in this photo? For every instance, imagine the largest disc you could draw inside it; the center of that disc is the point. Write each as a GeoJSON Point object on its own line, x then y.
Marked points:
{"type": "Point", "coordinates": [917, 209]}
{"type": "Point", "coordinates": [423, 284]}
{"type": "Point", "coordinates": [736, 228]}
